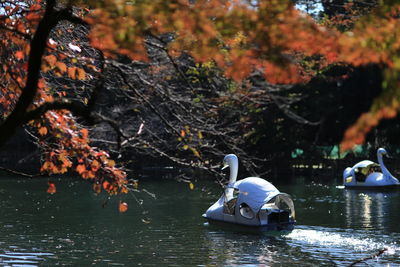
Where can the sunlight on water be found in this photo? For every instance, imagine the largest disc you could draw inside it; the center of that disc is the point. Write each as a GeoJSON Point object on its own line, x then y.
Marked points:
{"type": "Point", "coordinates": [335, 240]}
{"type": "Point", "coordinates": [352, 245]}
{"type": "Point", "coordinates": [22, 258]}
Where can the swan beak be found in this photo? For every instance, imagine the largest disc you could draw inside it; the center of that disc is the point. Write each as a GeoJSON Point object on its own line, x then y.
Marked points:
{"type": "Point", "coordinates": [225, 165]}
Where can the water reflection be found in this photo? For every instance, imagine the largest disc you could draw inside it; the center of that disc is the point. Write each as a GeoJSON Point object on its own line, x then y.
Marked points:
{"type": "Point", "coordinates": [9, 258]}
{"type": "Point", "coordinates": [369, 209]}
{"type": "Point", "coordinates": [228, 248]}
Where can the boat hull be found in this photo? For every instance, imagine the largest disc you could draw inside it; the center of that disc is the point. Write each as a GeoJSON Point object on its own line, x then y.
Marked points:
{"type": "Point", "coordinates": [289, 226]}
{"type": "Point", "coordinates": [379, 187]}
{"type": "Point", "coordinates": [375, 179]}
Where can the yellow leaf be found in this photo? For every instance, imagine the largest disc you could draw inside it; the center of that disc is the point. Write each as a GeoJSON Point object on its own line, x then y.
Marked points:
{"type": "Point", "coordinates": [111, 163]}
{"type": "Point", "coordinates": [195, 152]}
{"type": "Point", "coordinates": [191, 186]}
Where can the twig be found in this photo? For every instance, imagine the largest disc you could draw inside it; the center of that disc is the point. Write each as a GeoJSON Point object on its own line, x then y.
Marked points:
{"type": "Point", "coordinates": [377, 254]}
{"type": "Point", "coordinates": [20, 173]}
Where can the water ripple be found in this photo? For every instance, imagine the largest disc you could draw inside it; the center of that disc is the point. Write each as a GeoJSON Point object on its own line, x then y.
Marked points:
{"type": "Point", "coordinates": [22, 258]}
{"type": "Point", "coordinates": [340, 244]}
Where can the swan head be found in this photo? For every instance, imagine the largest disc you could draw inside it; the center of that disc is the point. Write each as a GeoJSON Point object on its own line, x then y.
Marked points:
{"type": "Point", "coordinates": [230, 160]}
{"type": "Point", "coordinates": [382, 151]}
{"type": "Point", "coordinates": [346, 172]}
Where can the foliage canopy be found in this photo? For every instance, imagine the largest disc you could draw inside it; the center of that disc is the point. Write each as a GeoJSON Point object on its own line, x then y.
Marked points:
{"type": "Point", "coordinates": [56, 57]}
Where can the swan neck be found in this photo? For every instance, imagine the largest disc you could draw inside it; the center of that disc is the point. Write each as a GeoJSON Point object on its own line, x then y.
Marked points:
{"type": "Point", "coordinates": [385, 171]}
{"type": "Point", "coordinates": [233, 171]}
{"type": "Point", "coordinates": [233, 167]}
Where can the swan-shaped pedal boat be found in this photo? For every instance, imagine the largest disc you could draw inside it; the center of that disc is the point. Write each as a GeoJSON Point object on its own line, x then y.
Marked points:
{"type": "Point", "coordinates": [369, 174]}
{"type": "Point", "coordinates": [252, 202]}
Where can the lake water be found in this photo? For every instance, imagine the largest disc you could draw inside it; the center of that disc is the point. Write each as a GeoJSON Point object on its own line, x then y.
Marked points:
{"type": "Point", "coordinates": [164, 227]}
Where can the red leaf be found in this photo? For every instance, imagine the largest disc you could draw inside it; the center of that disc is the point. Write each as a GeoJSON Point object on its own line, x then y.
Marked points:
{"type": "Point", "coordinates": [123, 207]}
{"type": "Point", "coordinates": [106, 185]}
{"type": "Point", "coordinates": [52, 188]}
{"type": "Point", "coordinates": [20, 55]}
{"type": "Point", "coordinates": [41, 83]}
{"type": "Point", "coordinates": [95, 165]}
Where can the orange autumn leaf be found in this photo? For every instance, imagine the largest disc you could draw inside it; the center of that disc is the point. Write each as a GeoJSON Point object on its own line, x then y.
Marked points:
{"type": "Point", "coordinates": [85, 133]}
{"type": "Point", "coordinates": [52, 188]}
{"type": "Point", "coordinates": [88, 175]}
{"type": "Point", "coordinates": [80, 74]}
{"type": "Point", "coordinates": [32, 16]}
{"type": "Point", "coordinates": [96, 188]}
{"type": "Point", "coordinates": [41, 83]}
{"type": "Point", "coordinates": [123, 207]}
{"type": "Point", "coordinates": [51, 59]}
{"type": "Point", "coordinates": [20, 55]}
{"type": "Point", "coordinates": [61, 67]}
{"type": "Point", "coordinates": [43, 130]}
{"type": "Point", "coordinates": [61, 56]}
{"type": "Point", "coordinates": [80, 168]}
{"type": "Point", "coordinates": [72, 72]}
{"type": "Point", "coordinates": [124, 190]}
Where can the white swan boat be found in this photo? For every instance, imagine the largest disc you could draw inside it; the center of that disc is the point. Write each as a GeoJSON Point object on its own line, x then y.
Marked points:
{"type": "Point", "coordinates": [369, 174]}
{"type": "Point", "coordinates": [252, 202]}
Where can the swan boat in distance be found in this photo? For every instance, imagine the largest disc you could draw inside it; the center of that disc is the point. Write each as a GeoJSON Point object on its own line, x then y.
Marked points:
{"type": "Point", "coordinates": [369, 174]}
{"type": "Point", "coordinates": [251, 202]}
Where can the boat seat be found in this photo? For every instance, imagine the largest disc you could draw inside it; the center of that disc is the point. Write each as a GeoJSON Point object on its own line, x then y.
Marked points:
{"type": "Point", "coordinates": [360, 177]}
{"type": "Point", "coordinates": [229, 206]}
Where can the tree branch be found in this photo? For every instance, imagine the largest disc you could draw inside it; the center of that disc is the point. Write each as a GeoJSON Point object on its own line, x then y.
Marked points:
{"type": "Point", "coordinates": [37, 48]}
